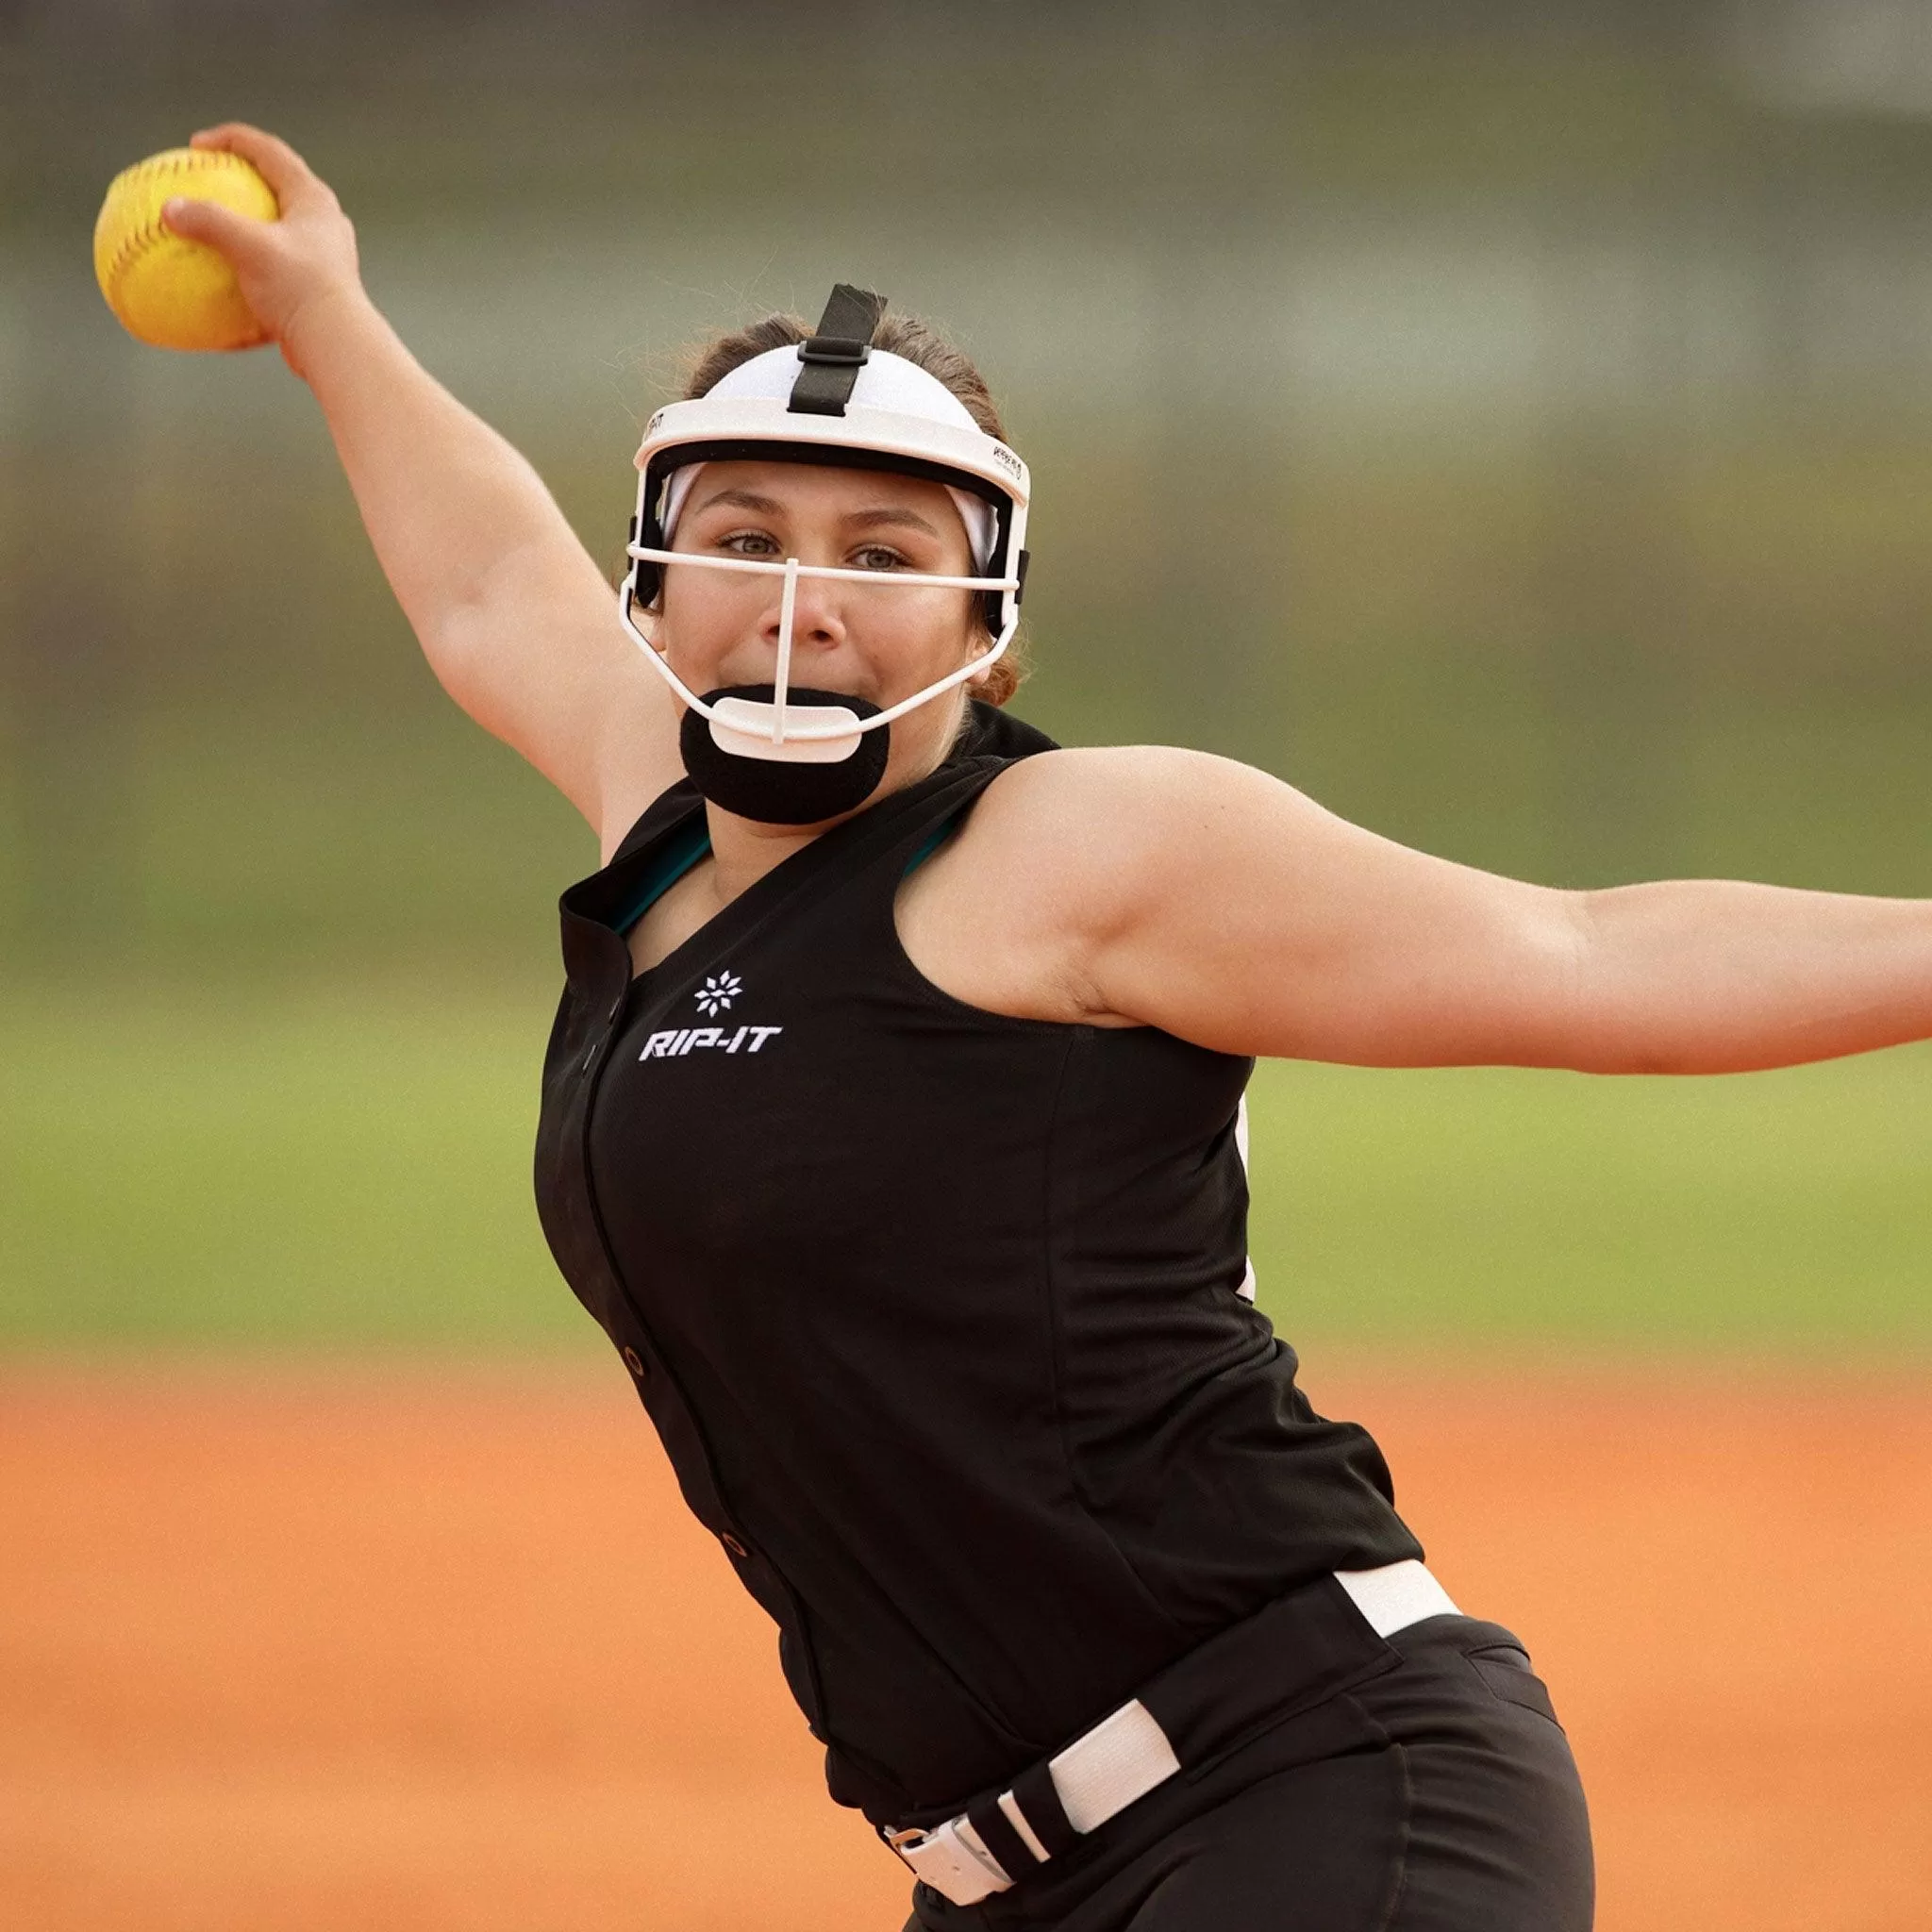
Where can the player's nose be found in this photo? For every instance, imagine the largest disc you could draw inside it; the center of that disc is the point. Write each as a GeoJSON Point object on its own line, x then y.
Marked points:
{"type": "Point", "coordinates": [817, 614]}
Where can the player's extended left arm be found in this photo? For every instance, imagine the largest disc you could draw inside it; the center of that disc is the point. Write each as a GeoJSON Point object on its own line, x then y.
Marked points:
{"type": "Point", "coordinates": [1230, 908]}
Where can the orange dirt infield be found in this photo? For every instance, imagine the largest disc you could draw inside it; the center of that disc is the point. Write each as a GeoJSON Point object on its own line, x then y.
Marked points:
{"type": "Point", "coordinates": [434, 1647]}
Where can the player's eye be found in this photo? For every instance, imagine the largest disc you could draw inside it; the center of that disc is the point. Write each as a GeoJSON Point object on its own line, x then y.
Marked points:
{"type": "Point", "coordinates": [749, 543]}
{"type": "Point", "coordinates": [879, 557]}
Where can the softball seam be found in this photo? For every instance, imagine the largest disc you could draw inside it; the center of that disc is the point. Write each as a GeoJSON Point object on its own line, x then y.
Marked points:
{"type": "Point", "coordinates": [139, 240]}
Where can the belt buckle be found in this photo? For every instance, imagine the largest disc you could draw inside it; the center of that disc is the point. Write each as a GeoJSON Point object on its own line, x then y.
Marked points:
{"type": "Point", "coordinates": [955, 1864]}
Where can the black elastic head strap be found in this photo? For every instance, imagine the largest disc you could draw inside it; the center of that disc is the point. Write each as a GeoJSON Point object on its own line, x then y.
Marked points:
{"type": "Point", "coordinates": [832, 357]}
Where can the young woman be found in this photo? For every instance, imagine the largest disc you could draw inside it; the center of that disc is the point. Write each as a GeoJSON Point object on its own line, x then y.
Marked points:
{"type": "Point", "coordinates": [892, 1128]}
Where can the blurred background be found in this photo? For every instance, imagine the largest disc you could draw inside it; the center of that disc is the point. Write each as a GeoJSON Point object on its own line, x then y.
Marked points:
{"type": "Point", "coordinates": [1510, 424]}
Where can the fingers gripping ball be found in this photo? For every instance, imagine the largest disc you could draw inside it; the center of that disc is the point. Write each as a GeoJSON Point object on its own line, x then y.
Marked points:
{"type": "Point", "coordinates": [166, 290]}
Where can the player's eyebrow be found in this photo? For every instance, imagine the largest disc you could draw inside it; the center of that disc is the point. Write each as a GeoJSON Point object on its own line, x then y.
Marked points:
{"type": "Point", "coordinates": [890, 519]}
{"type": "Point", "coordinates": [746, 499]}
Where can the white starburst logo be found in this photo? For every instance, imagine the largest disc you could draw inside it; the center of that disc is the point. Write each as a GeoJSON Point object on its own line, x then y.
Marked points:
{"type": "Point", "coordinates": [716, 994]}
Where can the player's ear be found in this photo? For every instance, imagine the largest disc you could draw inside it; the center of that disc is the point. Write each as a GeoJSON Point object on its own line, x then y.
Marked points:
{"type": "Point", "coordinates": [978, 644]}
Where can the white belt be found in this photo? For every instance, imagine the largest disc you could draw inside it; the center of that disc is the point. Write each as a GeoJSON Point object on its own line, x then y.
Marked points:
{"type": "Point", "coordinates": [1126, 1753]}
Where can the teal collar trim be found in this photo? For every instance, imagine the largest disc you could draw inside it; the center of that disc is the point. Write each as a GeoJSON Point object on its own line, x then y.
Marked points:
{"type": "Point", "coordinates": [682, 850]}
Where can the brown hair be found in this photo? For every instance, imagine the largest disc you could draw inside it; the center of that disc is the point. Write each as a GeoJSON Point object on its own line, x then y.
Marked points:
{"type": "Point", "coordinates": [900, 335]}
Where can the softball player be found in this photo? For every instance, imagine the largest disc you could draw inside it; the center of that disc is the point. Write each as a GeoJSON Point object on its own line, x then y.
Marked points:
{"type": "Point", "coordinates": [892, 1128]}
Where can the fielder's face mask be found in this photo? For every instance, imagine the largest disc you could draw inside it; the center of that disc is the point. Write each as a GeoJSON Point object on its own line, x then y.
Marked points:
{"type": "Point", "coordinates": [786, 753]}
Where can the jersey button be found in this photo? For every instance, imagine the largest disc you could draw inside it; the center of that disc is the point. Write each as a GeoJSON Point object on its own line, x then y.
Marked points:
{"type": "Point", "coordinates": [732, 1545]}
{"type": "Point", "coordinates": [632, 1362]}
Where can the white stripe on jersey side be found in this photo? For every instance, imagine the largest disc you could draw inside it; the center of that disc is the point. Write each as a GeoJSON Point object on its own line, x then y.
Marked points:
{"type": "Point", "coordinates": [1246, 1291]}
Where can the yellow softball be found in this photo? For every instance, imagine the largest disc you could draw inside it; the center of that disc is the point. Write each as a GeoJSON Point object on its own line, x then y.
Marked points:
{"type": "Point", "coordinates": [167, 290]}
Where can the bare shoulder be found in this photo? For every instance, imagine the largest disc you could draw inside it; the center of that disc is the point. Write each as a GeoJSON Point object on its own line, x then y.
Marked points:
{"type": "Point", "coordinates": [1057, 850]}
{"type": "Point", "coordinates": [1087, 825]}
{"type": "Point", "coordinates": [1070, 789]}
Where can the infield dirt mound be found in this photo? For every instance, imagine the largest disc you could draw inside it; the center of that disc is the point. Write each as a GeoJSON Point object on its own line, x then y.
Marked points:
{"type": "Point", "coordinates": [435, 1647]}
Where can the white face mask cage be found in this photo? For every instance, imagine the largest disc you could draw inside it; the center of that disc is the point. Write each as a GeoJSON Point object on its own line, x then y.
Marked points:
{"type": "Point", "coordinates": [724, 429]}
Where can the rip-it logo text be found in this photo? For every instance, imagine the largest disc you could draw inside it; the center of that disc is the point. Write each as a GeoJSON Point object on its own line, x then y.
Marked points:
{"type": "Point", "coordinates": [675, 1041]}
{"type": "Point", "coordinates": [715, 996]}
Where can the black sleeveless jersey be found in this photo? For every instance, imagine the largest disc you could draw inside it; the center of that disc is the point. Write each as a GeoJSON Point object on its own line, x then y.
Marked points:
{"type": "Point", "coordinates": [939, 1312]}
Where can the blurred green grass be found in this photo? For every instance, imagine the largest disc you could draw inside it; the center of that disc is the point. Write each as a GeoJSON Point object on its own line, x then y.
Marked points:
{"type": "Point", "coordinates": [230, 1167]}
{"type": "Point", "coordinates": [204, 1166]}
{"type": "Point", "coordinates": [1772, 1211]}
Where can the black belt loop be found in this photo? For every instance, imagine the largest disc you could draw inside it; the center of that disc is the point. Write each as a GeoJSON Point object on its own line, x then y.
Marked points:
{"type": "Point", "coordinates": [1039, 1798]}
{"type": "Point", "coordinates": [997, 1835]}
{"type": "Point", "coordinates": [833, 356]}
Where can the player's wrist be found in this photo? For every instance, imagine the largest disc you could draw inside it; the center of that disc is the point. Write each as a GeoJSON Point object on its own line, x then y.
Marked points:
{"type": "Point", "coordinates": [328, 331]}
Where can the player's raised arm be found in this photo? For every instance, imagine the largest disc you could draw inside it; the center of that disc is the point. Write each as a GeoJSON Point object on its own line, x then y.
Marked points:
{"type": "Point", "coordinates": [513, 615]}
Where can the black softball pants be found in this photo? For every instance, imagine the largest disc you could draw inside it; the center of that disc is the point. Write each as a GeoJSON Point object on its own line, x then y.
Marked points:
{"type": "Point", "coordinates": [1439, 1796]}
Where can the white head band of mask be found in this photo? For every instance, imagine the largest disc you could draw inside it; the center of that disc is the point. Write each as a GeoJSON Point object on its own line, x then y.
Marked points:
{"type": "Point", "coordinates": [897, 410]}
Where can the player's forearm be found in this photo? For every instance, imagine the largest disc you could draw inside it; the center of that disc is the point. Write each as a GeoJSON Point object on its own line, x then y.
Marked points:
{"type": "Point", "coordinates": [457, 516]}
{"type": "Point", "coordinates": [1715, 975]}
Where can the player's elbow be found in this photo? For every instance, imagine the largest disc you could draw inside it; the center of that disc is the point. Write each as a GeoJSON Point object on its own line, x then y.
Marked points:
{"type": "Point", "coordinates": [1546, 1007]}
{"type": "Point", "coordinates": [1612, 1025]}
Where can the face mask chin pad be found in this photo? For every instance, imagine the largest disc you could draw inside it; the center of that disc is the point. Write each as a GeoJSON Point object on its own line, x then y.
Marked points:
{"type": "Point", "coordinates": [783, 791]}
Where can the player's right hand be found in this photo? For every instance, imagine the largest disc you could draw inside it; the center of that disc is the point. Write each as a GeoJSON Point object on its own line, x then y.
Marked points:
{"type": "Point", "coordinates": [293, 270]}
